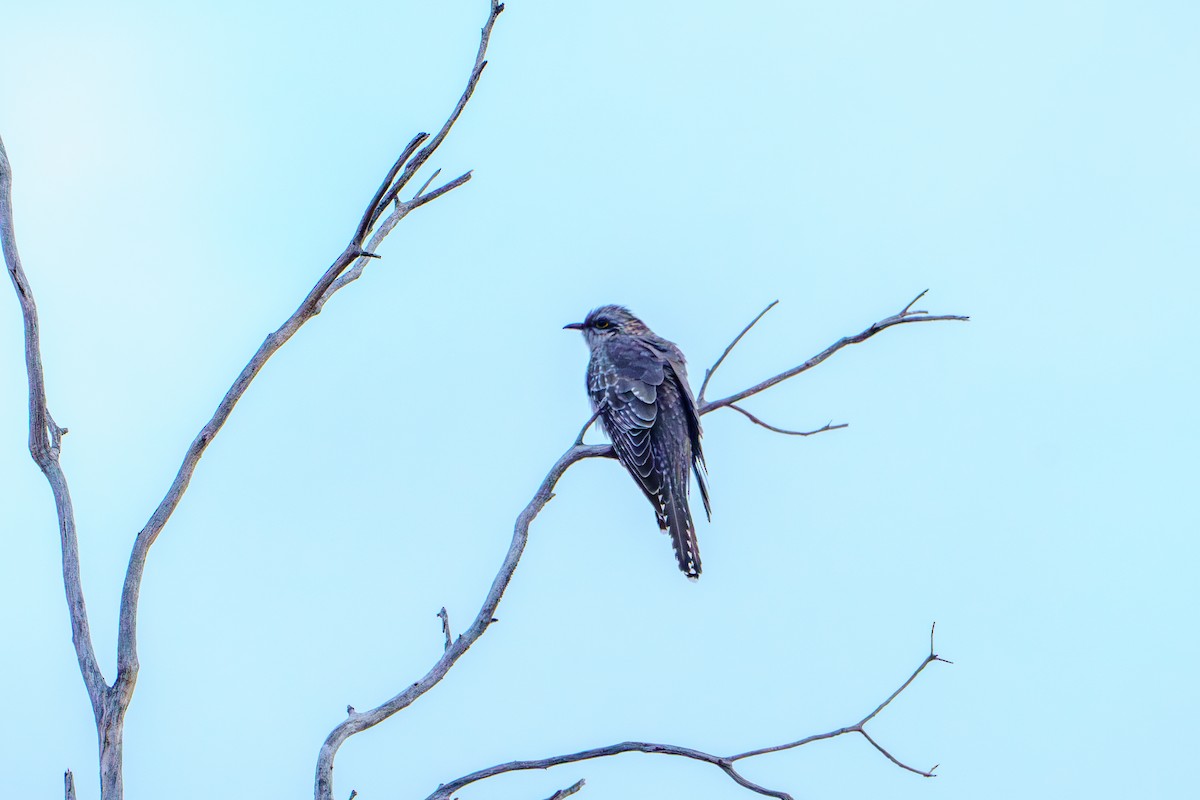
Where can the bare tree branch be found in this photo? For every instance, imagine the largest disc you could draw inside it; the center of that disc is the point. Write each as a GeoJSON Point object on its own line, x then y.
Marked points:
{"type": "Point", "coordinates": [311, 306]}
{"type": "Point", "coordinates": [903, 317]}
{"type": "Point", "coordinates": [724, 763]}
{"type": "Point", "coordinates": [68, 785]}
{"type": "Point", "coordinates": [445, 790]}
{"type": "Point", "coordinates": [828, 426]}
{"type": "Point", "coordinates": [567, 792]}
{"type": "Point", "coordinates": [109, 704]}
{"type": "Point", "coordinates": [708, 373]}
{"type": "Point", "coordinates": [396, 184]}
{"type": "Point", "coordinates": [445, 618]}
{"type": "Point", "coordinates": [45, 444]}
{"type": "Point", "coordinates": [357, 723]}
{"type": "Point", "coordinates": [595, 415]}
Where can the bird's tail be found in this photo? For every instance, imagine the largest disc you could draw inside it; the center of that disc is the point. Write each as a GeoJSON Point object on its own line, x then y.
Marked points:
{"type": "Point", "coordinates": [676, 519]}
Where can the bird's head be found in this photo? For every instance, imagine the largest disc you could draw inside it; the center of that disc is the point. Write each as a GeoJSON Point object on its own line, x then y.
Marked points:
{"type": "Point", "coordinates": [607, 321]}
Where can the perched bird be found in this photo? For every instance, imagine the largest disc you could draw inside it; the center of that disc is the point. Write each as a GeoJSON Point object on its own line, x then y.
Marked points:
{"type": "Point", "coordinates": [638, 386]}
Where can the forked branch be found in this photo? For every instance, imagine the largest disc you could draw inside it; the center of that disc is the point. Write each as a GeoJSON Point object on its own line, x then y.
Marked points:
{"type": "Point", "coordinates": [724, 763]}
{"type": "Point", "coordinates": [348, 265]}
{"type": "Point", "coordinates": [109, 703]}
{"type": "Point", "coordinates": [356, 723]}
{"type": "Point", "coordinates": [906, 315]}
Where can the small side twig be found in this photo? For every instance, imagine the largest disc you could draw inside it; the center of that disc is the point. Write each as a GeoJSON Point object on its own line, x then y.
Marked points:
{"type": "Point", "coordinates": [708, 373]}
{"type": "Point", "coordinates": [445, 618]}
{"type": "Point", "coordinates": [829, 426]}
{"type": "Point", "coordinates": [567, 792]}
{"type": "Point", "coordinates": [428, 181]}
{"type": "Point", "coordinates": [595, 415]}
{"type": "Point", "coordinates": [905, 316]}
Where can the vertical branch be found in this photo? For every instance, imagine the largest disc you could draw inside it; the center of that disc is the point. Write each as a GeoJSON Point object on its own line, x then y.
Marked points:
{"type": "Point", "coordinates": [45, 443]}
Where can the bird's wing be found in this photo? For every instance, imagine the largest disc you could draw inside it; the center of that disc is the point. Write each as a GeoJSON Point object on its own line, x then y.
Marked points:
{"type": "Point", "coordinates": [678, 365]}
{"type": "Point", "coordinates": [625, 389]}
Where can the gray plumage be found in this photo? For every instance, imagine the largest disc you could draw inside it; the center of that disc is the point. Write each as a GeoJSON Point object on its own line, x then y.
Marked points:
{"type": "Point", "coordinates": [637, 381]}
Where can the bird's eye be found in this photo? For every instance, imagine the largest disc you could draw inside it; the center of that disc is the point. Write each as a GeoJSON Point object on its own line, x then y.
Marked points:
{"type": "Point", "coordinates": [600, 324]}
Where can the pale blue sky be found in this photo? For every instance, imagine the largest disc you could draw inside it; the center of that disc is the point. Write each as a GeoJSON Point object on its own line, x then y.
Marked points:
{"type": "Point", "coordinates": [183, 174]}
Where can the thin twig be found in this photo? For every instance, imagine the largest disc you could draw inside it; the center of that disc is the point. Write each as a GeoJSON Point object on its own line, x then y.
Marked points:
{"type": "Point", "coordinates": [913, 303]}
{"type": "Point", "coordinates": [595, 415]}
{"type": "Point", "coordinates": [893, 759]}
{"type": "Point", "coordinates": [829, 426]}
{"type": "Point", "coordinates": [428, 181]}
{"type": "Point", "coordinates": [445, 618]}
{"type": "Point", "coordinates": [708, 373]}
{"type": "Point", "coordinates": [428, 150]}
{"type": "Point", "coordinates": [567, 792]}
{"type": "Point", "coordinates": [422, 199]}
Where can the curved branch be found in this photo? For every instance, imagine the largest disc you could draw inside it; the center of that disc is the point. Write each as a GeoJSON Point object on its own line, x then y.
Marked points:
{"type": "Point", "coordinates": [828, 426]}
{"type": "Point", "coordinates": [726, 763]}
{"type": "Point", "coordinates": [45, 444]}
{"type": "Point", "coordinates": [444, 791]}
{"type": "Point", "coordinates": [357, 722]}
{"type": "Point", "coordinates": [708, 373]}
{"type": "Point", "coordinates": [905, 316]}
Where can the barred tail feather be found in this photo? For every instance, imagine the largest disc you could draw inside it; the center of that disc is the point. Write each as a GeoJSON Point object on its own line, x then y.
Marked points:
{"type": "Point", "coordinates": [676, 519]}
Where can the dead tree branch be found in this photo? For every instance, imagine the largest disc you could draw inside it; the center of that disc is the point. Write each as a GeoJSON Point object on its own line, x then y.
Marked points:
{"type": "Point", "coordinates": [905, 316]}
{"type": "Point", "coordinates": [828, 426]}
{"type": "Point", "coordinates": [567, 792]}
{"type": "Point", "coordinates": [445, 618]}
{"type": "Point", "coordinates": [708, 373]}
{"type": "Point", "coordinates": [356, 723]}
{"type": "Point", "coordinates": [109, 703]}
{"type": "Point", "coordinates": [45, 445]}
{"type": "Point", "coordinates": [725, 763]}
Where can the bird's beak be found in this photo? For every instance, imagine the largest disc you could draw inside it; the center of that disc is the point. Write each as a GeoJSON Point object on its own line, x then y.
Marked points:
{"type": "Point", "coordinates": [574, 326]}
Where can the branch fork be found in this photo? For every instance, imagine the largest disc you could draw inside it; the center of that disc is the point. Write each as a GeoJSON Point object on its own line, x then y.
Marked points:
{"type": "Point", "coordinates": [110, 702]}
{"type": "Point", "coordinates": [725, 763]}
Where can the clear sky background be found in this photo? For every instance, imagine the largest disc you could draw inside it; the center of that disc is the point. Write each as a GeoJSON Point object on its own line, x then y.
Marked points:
{"type": "Point", "coordinates": [185, 172]}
